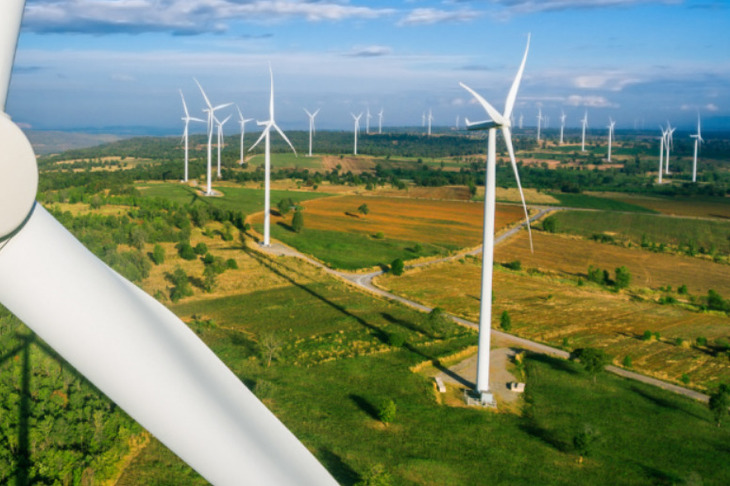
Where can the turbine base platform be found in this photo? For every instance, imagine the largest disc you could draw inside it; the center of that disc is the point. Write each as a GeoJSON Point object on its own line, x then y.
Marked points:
{"type": "Point", "coordinates": [475, 398]}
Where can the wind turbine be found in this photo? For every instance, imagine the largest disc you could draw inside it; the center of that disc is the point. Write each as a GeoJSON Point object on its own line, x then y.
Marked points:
{"type": "Point", "coordinates": [265, 135]}
{"type": "Point", "coordinates": [501, 121]}
{"type": "Point", "coordinates": [661, 151]}
{"type": "Point", "coordinates": [220, 140]}
{"type": "Point", "coordinates": [539, 121]}
{"type": "Point", "coordinates": [610, 137]}
{"type": "Point", "coordinates": [430, 119]}
{"type": "Point", "coordinates": [521, 117]}
{"type": "Point", "coordinates": [122, 340]}
{"type": "Point", "coordinates": [457, 122]}
{"type": "Point", "coordinates": [242, 121]}
{"type": "Point", "coordinates": [311, 128]}
{"type": "Point", "coordinates": [423, 119]}
{"type": "Point", "coordinates": [187, 119]}
{"type": "Point", "coordinates": [584, 122]}
{"type": "Point", "coordinates": [368, 116]}
{"type": "Point", "coordinates": [211, 117]}
{"type": "Point", "coordinates": [357, 129]}
{"type": "Point", "coordinates": [668, 145]}
{"type": "Point", "coordinates": [562, 126]}
{"type": "Point", "coordinates": [380, 122]}
{"type": "Point", "coordinates": [698, 141]}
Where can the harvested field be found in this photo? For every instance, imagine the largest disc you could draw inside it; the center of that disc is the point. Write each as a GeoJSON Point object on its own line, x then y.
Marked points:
{"type": "Point", "coordinates": [549, 310]}
{"type": "Point", "coordinates": [699, 207]}
{"type": "Point", "coordinates": [570, 255]}
{"type": "Point", "coordinates": [355, 165]}
{"type": "Point", "coordinates": [446, 193]}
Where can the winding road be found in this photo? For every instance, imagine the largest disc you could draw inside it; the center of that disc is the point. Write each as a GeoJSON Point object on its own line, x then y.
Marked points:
{"type": "Point", "coordinates": [365, 281]}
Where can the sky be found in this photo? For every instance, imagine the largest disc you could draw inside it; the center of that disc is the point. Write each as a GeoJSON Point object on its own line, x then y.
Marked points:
{"type": "Point", "coordinates": [116, 65]}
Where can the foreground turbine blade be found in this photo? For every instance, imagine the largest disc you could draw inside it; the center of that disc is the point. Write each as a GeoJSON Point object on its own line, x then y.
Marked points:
{"type": "Point", "coordinates": [512, 96]}
{"type": "Point", "coordinates": [491, 111]}
{"type": "Point", "coordinates": [263, 134]}
{"type": "Point", "coordinates": [284, 137]}
{"type": "Point", "coordinates": [508, 141]}
{"type": "Point", "coordinates": [146, 360]}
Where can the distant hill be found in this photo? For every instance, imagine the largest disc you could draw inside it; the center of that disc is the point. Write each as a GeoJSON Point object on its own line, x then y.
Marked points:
{"type": "Point", "coordinates": [51, 142]}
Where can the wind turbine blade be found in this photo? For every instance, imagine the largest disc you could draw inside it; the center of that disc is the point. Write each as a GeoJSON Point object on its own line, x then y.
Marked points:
{"type": "Point", "coordinates": [508, 141]}
{"type": "Point", "coordinates": [491, 111]}
{"type": "Point", "coordinates": [263, 134]}
{"type": "Point", "coordinates": [11, 13]}
{"type": "Point", "coordinates": [512, 96]}
{"type": "Point", "coordinates": [224, 121]}
{"type": "Point", "coordinates": [271, 98]}
{"type": "Point", "coordinates": [220, 107]}
{"type": "Point", "coordinates": [284, 137]}
{"type": "Point", "coordinates": [205, 97]}
{"type": "Point", "coordinates": [146, 360]}
{"type": "Point", "coordinates": [315, 113]}
{"type": "Point", "coordinates": [240, 115]}
{"type": "Point", "coordinates": [185, 107]}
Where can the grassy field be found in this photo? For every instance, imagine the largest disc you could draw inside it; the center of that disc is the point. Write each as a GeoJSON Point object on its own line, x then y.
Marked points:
{"type": "Point", "coordinates": [287, 160]}
{"type": "Point", "coordinates": [698, 206]}
{"type": "Point", "coordinates": [588, 201]}
{"type": "Point", "coordinates": [572, 256]}
{"type": "Point", "coordinates": [248, 200]}
{"type": "Point", "coordinates": [553, 310]}
{"type": "Point", "coordinates": [653, 229]}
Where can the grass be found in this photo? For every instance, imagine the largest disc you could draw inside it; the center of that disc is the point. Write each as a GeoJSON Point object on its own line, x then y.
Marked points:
{"type": "Point", "coordinates": [235, 198]}
{"type": "Point", "coordinates": [587, 201]}
{"type": "Point", "coordinates": [287, 160]}
{"type": "Point", "coordinates": [692, 206]}
{"type": "Point", "coordinates": [655, 229]}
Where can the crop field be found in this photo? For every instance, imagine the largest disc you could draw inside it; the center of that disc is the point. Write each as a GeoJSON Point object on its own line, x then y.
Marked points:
{"type": "Point", "coordinates": [572, 256]}
{"type": "Point", "coordinates": [553, 310]}
{"type": "Point", "coordinates": [247, 200]}
{"type": "Point", "coordinates": [698, 206]}
{"type": "Point", "coordinates": [354, 164]}
{"type": "Point", "coordinates": [652, 229]}
{"type": "Point", "coordinates": [287, 160]}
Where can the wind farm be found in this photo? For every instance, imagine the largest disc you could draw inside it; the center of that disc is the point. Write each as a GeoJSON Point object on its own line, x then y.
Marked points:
{"type": "Point", "coordinates": [374, 311]}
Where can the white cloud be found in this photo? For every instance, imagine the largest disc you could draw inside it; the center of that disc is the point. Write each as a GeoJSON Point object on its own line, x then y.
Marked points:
{"type": "Point", "coordinates": [612, 81]}
{"type": "Point", "coordinates": [590, 101]}
{"type": "Point", "coordinates": [122, 77]}
{"type": "Point", "coordinates": [180, 16]}
{"type": "Point", "coordinates": [370, 51]}
{"type": "Point", "coordinates": [536, 6]}
{"type": "Point", "coordinates": [428, 16]}
{"type": "Point", "coordinates": [711, 107]}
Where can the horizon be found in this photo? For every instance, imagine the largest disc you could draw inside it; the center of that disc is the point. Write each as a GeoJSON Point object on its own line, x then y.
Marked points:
{"type": "Point", "coordinates": [641, 62]}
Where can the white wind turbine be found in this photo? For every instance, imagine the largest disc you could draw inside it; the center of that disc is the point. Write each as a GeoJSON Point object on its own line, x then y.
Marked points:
{"type": "Point", "coordinates": [423, 119]}
{"type": "Point", "coordinates": [242, 121]}
{"type": "Point", "coordinates": [357, 129]}
{"type": "Point", "coordinates": [187, 119]}
{"type": "Point", "coordinates": [211, 117]}
{"type": "Point", "coordinates": [668, 145]}
{"type": "Point", "coordinates": [430, 119]}
{"type": "Point", "coordinates": [501, 121]}
{"type": "Point", "coordinates": [380, 122]}
{"type": "Point", "coordinates": [698, 141]}
{"type": "Point", "coordinates": [539, 122]}
{"type": "Point", "coordinates": [265, 135]}
{"type": "Point", "coordinates": [562, 126]}
{"type": "Point", "coordinates": [521, 117]}
{"type": "Point", "coordinates": [127, 344]}
{"type": "Point", "coordinates": [311, 128]}
{"type": "Point", "coordinates": [610, 137]}
{"type": "Point", "coordinates": [661, 152]}
{"type": "Point", "coordinates": [220, 140]}
{"type": "Point", "coordinates": [368, 116]}
{"type": "Point", "coordinates": [584, 123]}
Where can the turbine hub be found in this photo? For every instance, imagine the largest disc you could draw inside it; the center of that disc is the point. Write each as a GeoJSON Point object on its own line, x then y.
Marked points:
{"type": "Point", "coordinates": [18, 176]}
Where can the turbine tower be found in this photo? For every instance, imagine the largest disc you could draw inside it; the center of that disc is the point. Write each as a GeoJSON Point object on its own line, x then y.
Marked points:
{"type": "Point", "coordinates": [584, 122]}
{"type": "Point", "coordinates": [211, 116]}
{"type": "Point", "coordinates": [220, 140]}
{"type": "Point", "coordinates": [539, 121]}
{"type": "Point", "coordinates": [380, 122]}
{"type": "Point", "coordinates": [498, 121]}
{"type": "Point", "coordinates": [266, 136]}
{"type": "Point", "coordinates": [521, 117]}
{"type": "Point", "coordinates": [242, 121]}
{"type": "Point", "coordinates": [663, 139]}
{"type": "Point", "coordinates": [311, 128]}
{"type": "Point", "coordinates": [430, 119]}
{"type": "Point", "coordinates": [610, 137]}
{"type": "Point", "coordinates": [132, 348]}
{"type": "Point", "coordinates": [357, 129]}
{"type": "Point", "coordinates": [698, 141]}
{"type": "Point", "coordinates": [368, 116]}
{"type": "Point", "coordinates": [187, 119]}
{"type": "Point", "coordinates": [668, 145]}
{"type": "Point", "coordinates": [562, 126]}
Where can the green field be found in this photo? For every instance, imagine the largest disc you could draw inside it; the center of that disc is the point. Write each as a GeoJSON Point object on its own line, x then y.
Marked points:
{"type": "Point", "coordinates": [650, 228]}
{"type": "Point", "coordinates": [287, 160]}
{"type": "Point", "coordinates": [242, 199]}
{"type": "Point", "coordinates": [587, 201]}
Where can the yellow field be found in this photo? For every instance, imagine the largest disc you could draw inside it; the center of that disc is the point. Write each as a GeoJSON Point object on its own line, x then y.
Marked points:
{"type": "Point", "coordinates": [565, 254]}
{"type": "Point", "coordinates": [549, 310]}
{"type": "Point", "coordinates": [439, 222]}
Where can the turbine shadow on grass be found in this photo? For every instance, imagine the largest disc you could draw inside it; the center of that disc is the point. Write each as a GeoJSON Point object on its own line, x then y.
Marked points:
{"type": "Point", "coordinates": [661, 402]}
{"type": "Point", "coordinates": [342, 472]}
{"type": "Point", "coordinates": [557, 364]}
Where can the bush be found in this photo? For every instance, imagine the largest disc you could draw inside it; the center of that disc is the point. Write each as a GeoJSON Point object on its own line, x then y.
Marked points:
{"type": "Point", "coordinates": [685, 379]}
{"type": "Point", "coordinates": [201, 248]}
{"type": "Point", "coordinates": [515, 265]}
{"type": "Point", "coordinates": [363, 209]}
{"type": "Point", "coordinates": [647, 335]}
{"type": "Point", "coordinates": [158, 255]}
{"type": "Point", "coordinates": [505, 321]}
{"type": "Point", "coordinates": [701, 341]}
{"type": "Point", "coordinates": [185, 251]}
{"type": "Point", "coordinates": [396, 340]}
{"type": "Point", "coordinates": [379, 235]}
{"type": "Point", "coordinates": [377, 476]}
{"type": "Point", "coordinates": [297, 222]}
{"type": "Point", "coordinates": [386, 411]}
{"type": "Point", "coordinates": [716, 302]}
{"type": "Point", "coordinates": [627, 362]}
{"type": "Point", "coordinates": [231, 264]}
{"type": "Point", "coordinates": [285, 205]}
{"type": "Point", "coordinates": [181, 286]}
{"type": "Point", "coordinates": [623, 277]}
{"type": "Point", "coordinates": [682, 290]}
{"type": "Point", "coordinates": [550, 224]}
{"type": "Point", "coordinates": [397, 266]}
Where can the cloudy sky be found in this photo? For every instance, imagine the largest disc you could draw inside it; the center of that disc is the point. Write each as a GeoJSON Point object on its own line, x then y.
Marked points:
{"type": "Point", "coordinates": [119, 63]}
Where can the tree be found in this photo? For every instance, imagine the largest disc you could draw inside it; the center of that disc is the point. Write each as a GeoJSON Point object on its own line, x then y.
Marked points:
{"type": "Point", "coordinates": [397, 266]}
{"type": "Point", "coordinates": [181, 286]}
{"type": "Point", "coordinates": [594, 360]}
{"type": "Point", "coordinates": [363, 209]}
{"type": "Point", "coordinates": [623, 277]}
{"type": "Point", "coordinates": [719, 403]}
{"type": "Point", "coordinates": [210, 278]}
{"type": "Point", "coordinates": [550, 224]}
{"type": "Point", "coordinates": [297, 221]}
{"type": "Point", "coordinates": [201, 248]}
{"type": "Point", "coordinates": [269, 346]}
{"type": "Point", "coordinates": [505, 321]}
{"type": "Point", "coordinates": [185, 251]}
{"type": "Point", "coordinates": [386, 411]}
{"type": "Point", "coordinates": [158, 255]}
{"type": "Point", "coordinates": [285, 205]}
{"type": "Point", "coordinates": [377, 476]}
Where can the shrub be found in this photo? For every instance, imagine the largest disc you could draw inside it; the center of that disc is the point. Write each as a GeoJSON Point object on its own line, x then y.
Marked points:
{"type": "Point", "coordinates": [701, 341]}
{"type": "Point", "coordinates": [201, 248]}
{"type": "Point", "coordinates": [363, 209]}
{"type": "Point", "coordinates": [231, 264]}
{"type": "Point", "coordinates": [396, 340]}
{"type": "Point", "coordinates": [158, 255]}
{"type": "Point", "coordinates": [515, 265]}
{"type": "Point", "coordinates": [647, 335]}
{"type": "Point", "coordinates": [682, 290]}
{"type": "Point", "coordinates": [627, 362]}
{"type": "Point", "coordinates": [379, 235]}
{"type": "Point", "coordinates": [285, 205]}
{"type": "Point", "coordinates": [185, 251]}
{"type": "Point", "coordinates": [297, 222]}
{"type": "Point", "coordinates": [377, 476]}
{"type": "Point", "coordinates": [685, 379]}
{"type": "Point", "coordinates": [550, 224]}
{"type": "Point", "coordinates": [386, 411]}
{"type": "Point", "coordinates": [719, 403]}
{"type": "Point", "coordinates": [584, 440]}
{"type": "Point", "coordinates": [397, 266]}
{"type": "Point", "coordinates": [716, 302]}
{"type": "Point", "coordinates": [505, 321]}
{"type": "Point", "coordinates": [181, 286]}
{"type": "Point", "coordinates": [623, 277]}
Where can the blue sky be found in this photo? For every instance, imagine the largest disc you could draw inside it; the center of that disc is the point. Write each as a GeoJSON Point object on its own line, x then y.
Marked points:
{"type": "Point", "coordinates": [120, 63]}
